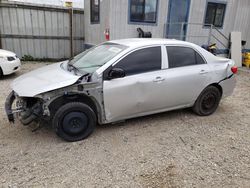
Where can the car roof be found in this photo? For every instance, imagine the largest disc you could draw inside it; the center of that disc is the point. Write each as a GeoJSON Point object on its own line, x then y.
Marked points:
{"type": "Point", "coordinates": [134, 43]}
{"type": "Point", "coordinates": [140, 42]}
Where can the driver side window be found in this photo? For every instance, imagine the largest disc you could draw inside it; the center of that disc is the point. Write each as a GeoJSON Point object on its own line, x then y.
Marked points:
{"type": "Point", "coordinates": [141, 61]}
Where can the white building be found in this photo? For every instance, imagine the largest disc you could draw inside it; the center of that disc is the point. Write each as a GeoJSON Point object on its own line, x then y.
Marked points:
{"type": "Point", "coordinates": [189, 20]}
{"type": "Point", "coordinates": [182, 19]}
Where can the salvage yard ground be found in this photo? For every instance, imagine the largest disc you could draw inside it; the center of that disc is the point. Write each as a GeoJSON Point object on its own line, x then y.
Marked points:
{"type": "Point", "coordinates": [173, 149]}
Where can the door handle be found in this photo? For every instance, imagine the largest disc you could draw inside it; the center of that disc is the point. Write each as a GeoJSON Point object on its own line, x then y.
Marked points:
{"type": "Point", "coordinates": [158, 79]}
{"type": "Point", "coordinates": [203, 72]}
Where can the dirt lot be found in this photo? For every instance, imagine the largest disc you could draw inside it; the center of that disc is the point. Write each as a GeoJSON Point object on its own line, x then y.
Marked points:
{"type": "Point", "coordinates": [174, 149]}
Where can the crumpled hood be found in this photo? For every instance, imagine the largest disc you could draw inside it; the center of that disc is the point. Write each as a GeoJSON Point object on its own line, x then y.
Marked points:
{"type": "Point", "coordinates": [42, 80]}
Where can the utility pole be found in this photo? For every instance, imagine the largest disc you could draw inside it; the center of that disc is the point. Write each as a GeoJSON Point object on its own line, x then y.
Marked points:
{"type": "Point", "coordinates": [1, 46]}
{"type": "Point", "coordinates": [69, 4]}
{"type": "Point", "coordinates": [71, 14]}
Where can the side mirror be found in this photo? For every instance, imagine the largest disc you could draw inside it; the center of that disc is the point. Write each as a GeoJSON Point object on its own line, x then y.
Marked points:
{"type": "Point", "coordinates": [116, 73]}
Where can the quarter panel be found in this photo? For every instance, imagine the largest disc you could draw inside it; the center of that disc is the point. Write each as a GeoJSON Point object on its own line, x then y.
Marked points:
{"type": "Point", "coordinates": [184, 84]}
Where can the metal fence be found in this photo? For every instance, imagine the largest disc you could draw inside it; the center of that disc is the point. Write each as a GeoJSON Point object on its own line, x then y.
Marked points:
{"type": "Point", "coordinates": [41, 31]}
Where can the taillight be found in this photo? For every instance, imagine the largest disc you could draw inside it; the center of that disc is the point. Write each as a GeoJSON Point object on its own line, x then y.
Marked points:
{"type": "Point", "coordinates": [234, 69]}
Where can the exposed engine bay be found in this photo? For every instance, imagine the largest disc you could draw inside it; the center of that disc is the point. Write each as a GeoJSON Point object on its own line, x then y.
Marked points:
{"type": "Point", "coordinates": [43, 106]}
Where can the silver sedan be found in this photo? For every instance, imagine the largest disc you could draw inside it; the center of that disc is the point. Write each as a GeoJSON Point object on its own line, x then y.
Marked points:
{"type": "Point", "coordinates": [118, 80]}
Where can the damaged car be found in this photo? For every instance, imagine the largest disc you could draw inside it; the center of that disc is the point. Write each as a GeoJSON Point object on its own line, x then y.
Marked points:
{"type": "Point", "coordinates": [118, 80]}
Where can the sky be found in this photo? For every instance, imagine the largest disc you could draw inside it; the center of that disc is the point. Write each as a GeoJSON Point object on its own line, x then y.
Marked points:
{"type": "Point", "coordinates": [76, 3]}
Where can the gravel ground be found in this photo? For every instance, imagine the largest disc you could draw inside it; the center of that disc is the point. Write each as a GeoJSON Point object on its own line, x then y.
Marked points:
{"type": "Point", "coordinates": [173, 149]}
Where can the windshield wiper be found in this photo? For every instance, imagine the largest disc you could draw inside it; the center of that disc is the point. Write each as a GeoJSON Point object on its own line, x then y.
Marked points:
{"type": "Point", "coordinates": [72, 67]}
{"type": "Point", "coordinates": [70, 59]}
{"type": "Point", "coordinates": [89, 66]}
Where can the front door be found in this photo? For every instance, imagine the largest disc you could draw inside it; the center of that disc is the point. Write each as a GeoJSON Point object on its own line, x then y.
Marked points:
{"type": "Point", "coordinates": [178, 11]}
{"type": "Point", "coordinates": [137, 92]}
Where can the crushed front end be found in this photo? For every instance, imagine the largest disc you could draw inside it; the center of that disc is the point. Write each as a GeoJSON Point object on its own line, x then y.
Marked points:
{"type": "Point", "coordinates": [26, 109]}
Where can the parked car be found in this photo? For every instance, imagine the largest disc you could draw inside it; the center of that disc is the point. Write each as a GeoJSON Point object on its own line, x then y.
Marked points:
{"type": "Point", "coordinates": [118, 80]}
{"type": "Point", "coordinates": [9, 62]}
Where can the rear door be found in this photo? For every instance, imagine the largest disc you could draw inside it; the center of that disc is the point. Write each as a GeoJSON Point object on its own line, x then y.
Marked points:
{"type": "Point", "coordinates": [187, 75]}
{"type": "Point", "coordinates": [138, 92]}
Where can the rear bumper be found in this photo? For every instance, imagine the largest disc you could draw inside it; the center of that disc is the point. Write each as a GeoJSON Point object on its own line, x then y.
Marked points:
{"type": "Point", "coordinates": [228, 86]}
{"type": "Point", "coordinates": [8, 107]}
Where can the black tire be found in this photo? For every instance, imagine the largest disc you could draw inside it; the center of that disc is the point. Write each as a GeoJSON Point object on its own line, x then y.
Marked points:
{"type": "Point", "coordinates": [208, 101]}
{"type": "Point", "coordinates": [74, 121]}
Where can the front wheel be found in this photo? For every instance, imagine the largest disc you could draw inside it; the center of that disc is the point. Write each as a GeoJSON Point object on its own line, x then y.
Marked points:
{"type": "Point", "coordinates": [74, 121]}
{"type": "Point", "coordinates": [208, 101]}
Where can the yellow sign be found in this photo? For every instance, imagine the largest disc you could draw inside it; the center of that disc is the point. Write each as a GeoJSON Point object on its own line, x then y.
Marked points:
{"type": "Point", "coordinates": [68, 4]}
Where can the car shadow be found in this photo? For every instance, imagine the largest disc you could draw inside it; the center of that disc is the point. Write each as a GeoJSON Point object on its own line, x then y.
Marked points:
{"type": "Point", "coordinates": [164, 116]}
{"type": "Point", "coordinates": [45, 132]}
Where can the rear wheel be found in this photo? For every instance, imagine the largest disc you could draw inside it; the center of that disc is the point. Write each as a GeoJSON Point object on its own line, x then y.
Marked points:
{"type": "Point", "coordinates": [208, 101]}
{"type": "Point", "coordinates": [74, 121]}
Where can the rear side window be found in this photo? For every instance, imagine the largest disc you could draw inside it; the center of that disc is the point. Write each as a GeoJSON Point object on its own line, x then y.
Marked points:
{"type": "Point", "coordinates": [140, 61]}
{"type": "Point", "coordinates": [183, 56]}
{"type": "Point", "coordinates": [199, 59]}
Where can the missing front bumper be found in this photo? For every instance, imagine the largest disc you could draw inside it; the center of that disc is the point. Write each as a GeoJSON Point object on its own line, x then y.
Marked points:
{"type": "Point", "coordinates": [24, 113]}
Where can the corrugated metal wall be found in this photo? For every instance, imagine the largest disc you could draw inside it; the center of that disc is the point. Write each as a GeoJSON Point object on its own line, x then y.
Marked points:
{"type": "Point", "coordinates": [42, 32]}
{"type": "Point", "coordinates": [121, 28]}
{"type": "Point", "coordinates": [95, 32]}
{"type": "Point", "coordinates": [237, 18]}
{"type": "Point", "coordinates": [242, 20]}
{"type": "Point", "coordinates": [114, 15]}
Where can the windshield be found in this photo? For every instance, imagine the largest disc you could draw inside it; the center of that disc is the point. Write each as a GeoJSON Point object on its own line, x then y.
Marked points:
{"type": "Point", "coordinates": [90, 60]}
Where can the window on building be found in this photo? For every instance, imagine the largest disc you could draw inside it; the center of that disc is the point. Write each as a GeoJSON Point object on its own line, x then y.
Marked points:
{"type": "Point", "coordinates": [143, 11]}
{"type": "Point", "coordinates": [141, 61]}
{"type": "Point", "coordinates": [94, 11]}
{"type": "Point", "coordinates": [183, 56]}
{"type": "Point", "coordinates": [215, 14]}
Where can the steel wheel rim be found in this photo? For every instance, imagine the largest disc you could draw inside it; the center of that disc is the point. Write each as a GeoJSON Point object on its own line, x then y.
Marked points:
{"type": "Point", "coordinates": [75, 123]}
{"type": "Point", "coordinates": [209, 101]}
